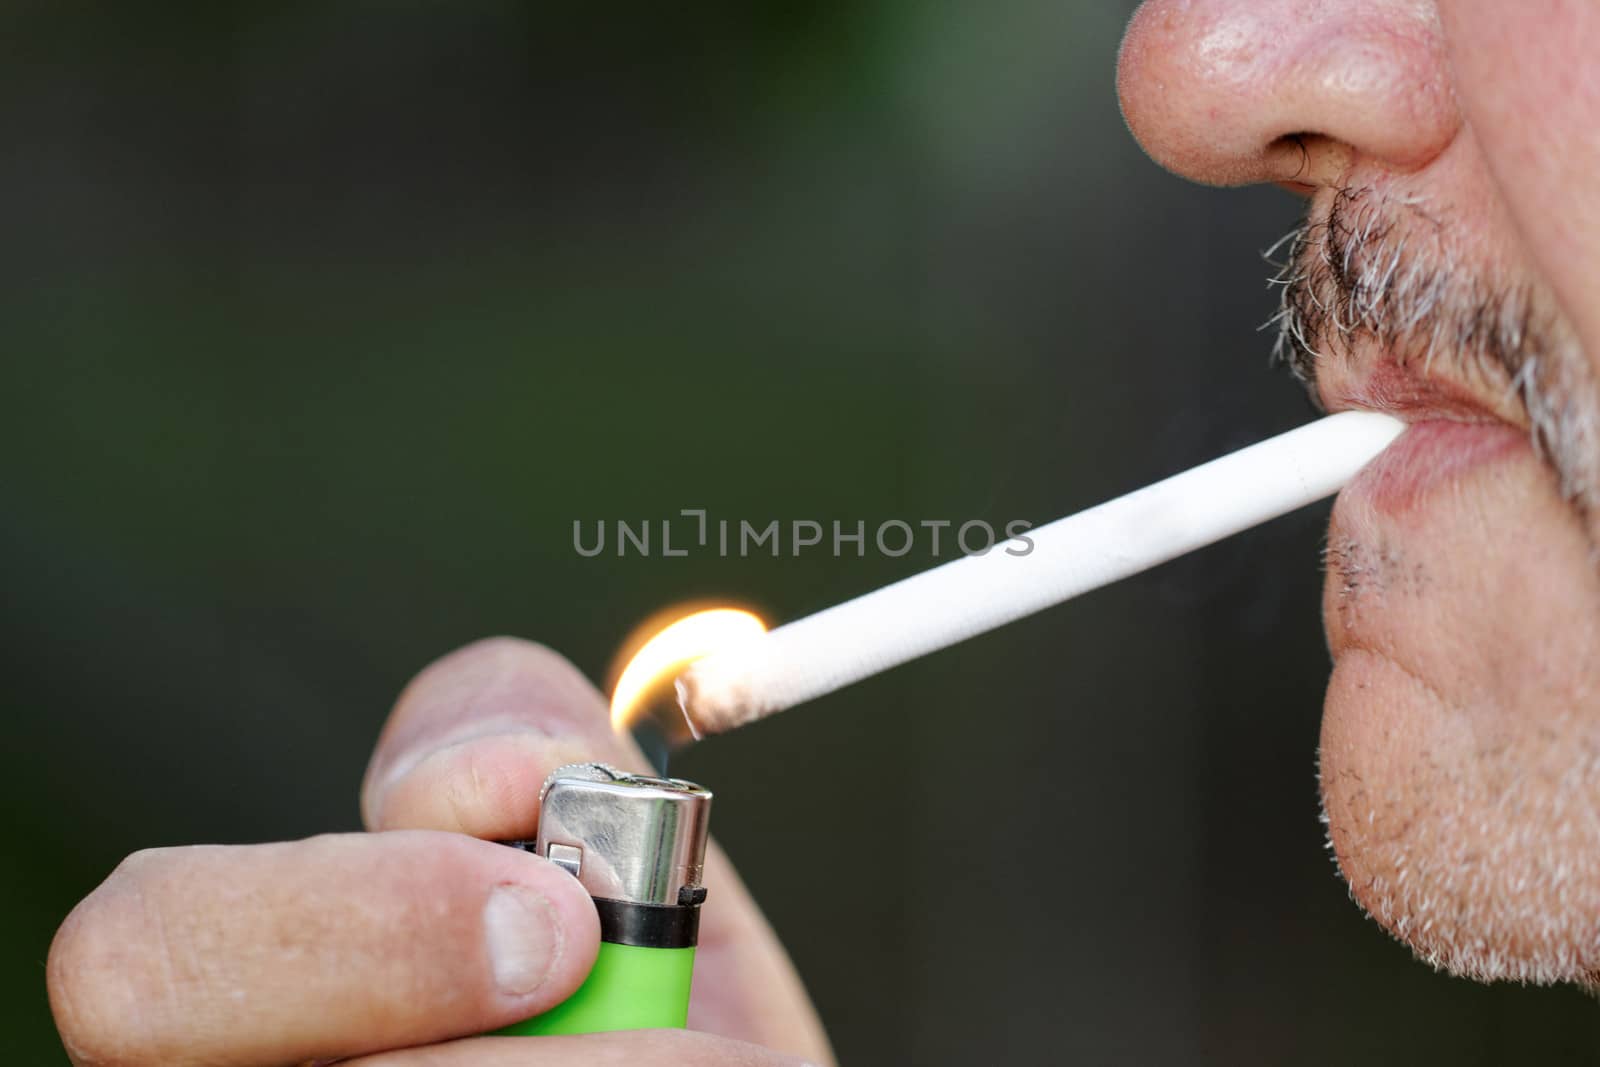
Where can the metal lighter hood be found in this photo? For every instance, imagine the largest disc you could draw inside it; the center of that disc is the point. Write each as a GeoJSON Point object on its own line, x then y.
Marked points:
{"type": "Point", "coordinates": [627, 837]}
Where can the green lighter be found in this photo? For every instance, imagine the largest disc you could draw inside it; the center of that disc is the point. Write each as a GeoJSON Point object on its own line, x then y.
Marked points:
{"type": "Point", "coordinates": [638, 845]}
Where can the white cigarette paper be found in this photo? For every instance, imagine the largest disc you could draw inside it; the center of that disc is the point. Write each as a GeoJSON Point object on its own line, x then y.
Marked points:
{"type": "Point", "coordinates": [946, 604]}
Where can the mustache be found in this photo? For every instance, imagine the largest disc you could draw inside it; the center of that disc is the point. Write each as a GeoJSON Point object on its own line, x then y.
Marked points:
{"type": "Point", "coordinates": [1380, 270]}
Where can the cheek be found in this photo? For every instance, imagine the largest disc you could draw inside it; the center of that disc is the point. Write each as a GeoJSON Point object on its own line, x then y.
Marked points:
{"type": "Point", "coordinates": [1525, 78]}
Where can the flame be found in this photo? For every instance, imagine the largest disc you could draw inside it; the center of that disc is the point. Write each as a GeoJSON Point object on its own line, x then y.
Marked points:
{"type": "Point", "coordinates": [670, 649]}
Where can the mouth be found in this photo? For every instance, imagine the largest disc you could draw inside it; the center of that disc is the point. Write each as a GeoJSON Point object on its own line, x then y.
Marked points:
{"type": "Point", "coordinates": [1389, 305]}
{"type": "Point", "coordinates": [1431, 455]}
{"type": "Point", "coordinates": [1452, 430]}
{"type": "Point", "coordinates": [1385, 307]}
{"type": "Point", "coordinates": [1401, 528]}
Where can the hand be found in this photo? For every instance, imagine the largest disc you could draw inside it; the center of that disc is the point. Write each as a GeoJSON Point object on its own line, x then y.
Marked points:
{"type": "Point", "coordinates": [399, 944]}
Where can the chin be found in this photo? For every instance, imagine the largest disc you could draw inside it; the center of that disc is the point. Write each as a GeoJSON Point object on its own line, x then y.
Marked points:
{"type": "Point", "coordinates": [1483, 858]}
{"type": "Point", "coordinates": [1460, 753]}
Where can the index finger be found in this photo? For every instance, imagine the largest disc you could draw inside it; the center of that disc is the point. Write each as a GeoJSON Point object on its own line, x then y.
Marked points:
{"type": "Point", "coordinates": [469, 746]}
{"type": "Point", "coordinates": [471, 739]}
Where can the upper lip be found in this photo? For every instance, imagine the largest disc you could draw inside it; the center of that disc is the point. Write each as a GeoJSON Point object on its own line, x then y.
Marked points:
{"type": "Point", "coordinates": [1370, 379]}
{"type": "Point", "coordinates": [1374, 343]}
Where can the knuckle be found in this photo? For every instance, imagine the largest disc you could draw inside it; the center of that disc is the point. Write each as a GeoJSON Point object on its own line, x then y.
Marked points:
{"type": "Point", "coordinates": [487, 666]}
{"type": "Point", "coordinates": [70, 1001]}
{"type": "Point", "coordinates": [503, 657]}
{"type": "Point", "coordinates": [117, 971]}
{"type": "Point", "coordinates": [492, 652]}
{"type": "Point", "coordinates": [108, 968]}
{"type": "Point", "coordinates": [504, 645]}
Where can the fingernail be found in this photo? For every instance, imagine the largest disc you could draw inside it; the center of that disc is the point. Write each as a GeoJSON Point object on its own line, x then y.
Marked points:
{"type": "Point", "coordinates": [525, 938]}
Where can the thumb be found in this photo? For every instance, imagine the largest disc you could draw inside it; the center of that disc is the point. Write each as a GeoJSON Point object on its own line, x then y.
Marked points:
{"type": "Point", "coordinates": [469, 745]}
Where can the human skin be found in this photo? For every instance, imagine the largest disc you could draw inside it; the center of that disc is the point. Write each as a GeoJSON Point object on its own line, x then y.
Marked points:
{"type": "Point", "coordinates": [419, 933]}
{"type": "Point", "coordinates": [1460, 735]}
{"type": "Point", "coordinates": [1450, 274]}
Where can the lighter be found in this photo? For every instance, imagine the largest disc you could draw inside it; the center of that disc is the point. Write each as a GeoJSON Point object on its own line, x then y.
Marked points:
{"type": "Point", "coordinates": [638, 845]}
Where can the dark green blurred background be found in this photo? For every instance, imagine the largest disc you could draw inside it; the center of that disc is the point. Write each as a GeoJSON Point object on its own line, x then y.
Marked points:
{"type": "Point", "coordinates": [322, 323]}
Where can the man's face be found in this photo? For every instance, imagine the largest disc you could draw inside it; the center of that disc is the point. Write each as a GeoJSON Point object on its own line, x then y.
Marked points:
{"type": "Point", "coordinates": [1449, 272]}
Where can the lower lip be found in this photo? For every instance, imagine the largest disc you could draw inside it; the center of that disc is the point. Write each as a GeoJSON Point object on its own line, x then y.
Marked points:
{"type": "Point", "coordinates": [1431, 454]}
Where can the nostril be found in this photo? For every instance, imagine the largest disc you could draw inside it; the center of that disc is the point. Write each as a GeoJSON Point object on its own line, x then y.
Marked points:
{"type": "Point", "coordinates": [1311, 160]}
{"type": "Point", "coordinates": [1293, 147]}
{"type": "Point", "coordinates": [1297, 142]}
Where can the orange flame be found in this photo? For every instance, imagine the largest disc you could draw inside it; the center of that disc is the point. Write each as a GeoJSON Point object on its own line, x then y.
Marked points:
{"type": "Point", "coordinates": [670, 649]}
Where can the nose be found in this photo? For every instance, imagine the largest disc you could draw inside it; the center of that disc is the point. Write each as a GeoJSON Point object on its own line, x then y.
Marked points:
{"type": "Point", "coordinates": [1230, 92]}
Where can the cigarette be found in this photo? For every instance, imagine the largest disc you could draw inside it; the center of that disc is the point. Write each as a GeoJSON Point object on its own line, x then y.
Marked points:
{"type": "Point", "coordinates": [944, 605]}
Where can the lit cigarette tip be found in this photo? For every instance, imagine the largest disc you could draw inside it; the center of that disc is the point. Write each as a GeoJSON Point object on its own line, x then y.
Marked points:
{"type": "Point", "coordinates": [715, 698]}
{"type": "Point", "coordinates": [947, 604]}
{"type": "Point", "coordinates": [668, 649]}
